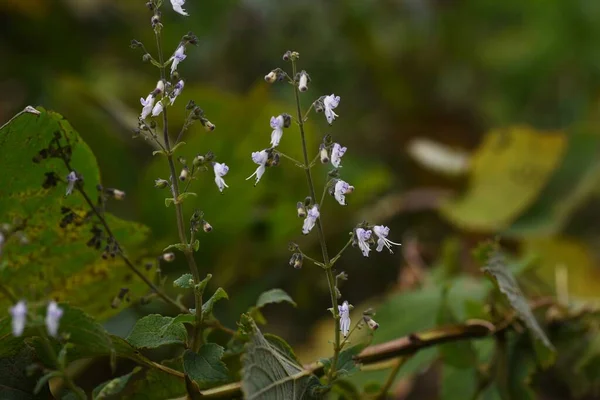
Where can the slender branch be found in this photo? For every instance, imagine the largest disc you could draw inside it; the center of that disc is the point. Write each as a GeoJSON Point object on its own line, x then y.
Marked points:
{"type": "Point", "coordinates": [188, 252]}
{"type": "Point", "coordinates": [391, 378]}
{"type": "Point", "coordinates": [160, 293]}
{"type": "Point", "coordinates": [298, 163]}
{"type": "Point", "coordinates": [339, 254]}
{"type": "Point", "coordinates": [320, 233]}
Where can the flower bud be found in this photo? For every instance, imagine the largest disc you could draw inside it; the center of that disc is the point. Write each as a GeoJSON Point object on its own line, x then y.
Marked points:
{"type": "Point", "coordinates": [271, 77]}
{"type": "Point", "coordinates": [118, 194]}
{"type": "Point", "coordinates": [293, 246]}
{"type": "Point", "coordinates": [307, 201]}
{"type": "Point", "coordinates": [160, 87]}
{"type": "Point", "coordinates": [303, 81]}
{"type": "Point", "coordinates": [208, 126]}
{"type": "Point", "coordinates": [155, 20]}
{"type": "Point", "coordinates": [198, 160]}
{"type": "Point", "coordinates": [168, 257]}
{"type": "Point", "coordinates": [206, 226]}
{"type": "Point", "coordinates": [287, 120]}
{"type": "Point", "coordinates": [135, 44]}
{"type": "Point", "coordinates": [146, 58]}
{"type": "Point", "coordinates": [371, 323]}
{"type": "Point", "coordinates": [161, 183]}
{"type": "Point", "coordinates": [184, 174]}
{"type": "Point", "coordinates": [296, 260]}
{"type": "Point", "coordinates": [287, 55]}
{"type": "Point", "coordinates": [324, 154]}
{"type": "Point", "coordinates": [301, 210]}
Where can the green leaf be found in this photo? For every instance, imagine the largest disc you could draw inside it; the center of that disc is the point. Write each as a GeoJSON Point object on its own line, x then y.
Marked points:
{"type": "Point", "coordinates": [162, 152]}
{"type": "Point", "coordinates": [184, 196]}
{"type": "Point", "coordinates": [205, 367]}
{"type": "Point", "coordinates": [178, 246]}
{"type": "Point", "coordinates": [114, 386]}
{"type": "Point", "coordinates": [274, 296]}
{"type": "Point", "coordinates": [158, 384]}
{"type": "Point", "coordinates": [196, 245]}
{"type": "Point", "coordinates": [174, 148]}
{"type": "Point", "coordinates": [185, 281]}
{"type": "Point", "coordinates": [458, 383]}
{"type": "Point", "coordinates": [521, 367]}
{"type": "Point", "coordinates": [169, 201]}
{"type": "Point", "coordinates": [70, 269]}
{"type": "Point", "coordinates": [268, 373]}
{"type": "Point", "coordinates": [155, 330]}
{"type": "Point", "coordinates": [15, 382]}
{"type": "Point", "coordinates": [207, 307]}
{"type": "Point", "coordinates": [43, 381]}
{"type": "Point", "coordinates": [86, 336]}
{"type": "Point", "coordinates": [496, 267]}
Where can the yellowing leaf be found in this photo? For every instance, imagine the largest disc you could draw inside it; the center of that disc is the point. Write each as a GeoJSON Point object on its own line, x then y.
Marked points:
{"type": "Point", "coordinates": [508, 171]}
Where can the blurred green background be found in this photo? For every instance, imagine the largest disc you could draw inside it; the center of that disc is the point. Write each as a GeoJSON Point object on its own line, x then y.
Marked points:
{"type": "Point", "coordinates": [509, 87]}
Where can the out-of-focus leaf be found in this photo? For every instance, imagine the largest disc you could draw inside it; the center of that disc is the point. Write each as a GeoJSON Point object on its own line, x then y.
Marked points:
{"type": "Point", "coordinates": [208, 306]}
{"type": "Point", "coordinates": [458, 383]}
{"type": "Point", "coordinates": [274, 296]}
{"type": "Point", "coordinates": [521, 367]}
{"type": "Point", "coordinates": [497, 269]}
{"type": "Point", "coordinates": [56, 261]}
{"type": "Point", "coordinates": [205, 367]}
{"type": "Point", "coordinates": [158, 384]}
{"type": "Point", "coordinates": [270, 374]}
{"type": "Point", "coordinates": [460, 354]}
{"type": "Point", "coordinates": [84, 332]}
{"type": "Point", "coordinates": [508, 171]}
{"type": "Point", "coordinates": [108, 390]}
{"type": "Point", "coordinates": [346, 390]}
{"type": "Point", "coordinates": [572, 183]}
{"type": "Point", "coordinates": [185, 281]}
{"type": "Point", "coordinates": [345, 363]}
{"type": "Point", "coordinates": [154, 330]}
{"type": "Point", "coordinates": [574, 257]}
{"type": "Point", "coordinates": [15, 382]}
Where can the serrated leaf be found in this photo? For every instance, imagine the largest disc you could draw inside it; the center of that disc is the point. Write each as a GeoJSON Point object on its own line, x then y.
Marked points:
{"type": "Point", "coordinates": [15, 383]}
{"type": "Point", "coordinates": [154, 331]}
{"type": "Point", "coordinates": [70, 269]}
{"type": "Point", "coordinates": [201, 287]}
{"type": "Point", "coordinates": [268, 373]}
{"type": "Point", "coordinates": [178, 246]}
{"type": "Point", "coordinates": [185, 281]}
{"type": "Point", "coordinates": [205, 367]}
{"type": "Point", "coordinates": [114, 386]}
{"type": "Point", "coordinates": [158, 384]}
{"type": "Point", "coordinates": [209, 304]}
{"type": "Point", "coordinates": [496, 267]}
{"type": "Point", "coordinates": [274, 296]}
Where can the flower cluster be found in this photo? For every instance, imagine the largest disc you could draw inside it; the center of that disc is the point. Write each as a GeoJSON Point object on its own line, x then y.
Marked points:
{"type": "Point", "coordinates": [363, 238]}
{"type": "Point", "coordinates": [19, 318]}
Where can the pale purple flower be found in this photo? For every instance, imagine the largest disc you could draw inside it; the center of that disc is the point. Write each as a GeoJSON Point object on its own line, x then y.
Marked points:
{"type": "Point", "coordinates": [382, 232]}
{"type": "Point", "coordinates": [344, 311]}
{"type": "Point", "coordinates": [340, 191]}
{"type": "Point", "coordinates": [177, 7]}
{"type": "Point", "coordinates": [19, 316]}
{"type": "Point", "coordinates": [71, 179]}
{"type": "Point", "coordinates": [158, 108]}
{"type": "Point", "coordinates": [260, 158]}
{"type": "Point", "coordinates": [147, 104]}
{"type": "Point", "coordinates": [337, 152]}
{"type": "Point", "coordinates": [53, 315]}
{"type": "Point", "coordinates": [220, 171]}
{"type": "Point", "coordinates": [310, 220]}
{"type": "Point", "coordinates": [177, 89]}
{"type": "Point", "coordinates": [277, 125]}
{"type": "Point", "coordinates": [178, 57]}
{"type": "Point", "coordinates": [330, 103]}
{"type": "Point", "coordinates": [363, 236]}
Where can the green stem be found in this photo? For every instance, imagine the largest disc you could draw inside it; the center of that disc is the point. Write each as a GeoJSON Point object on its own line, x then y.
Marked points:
{"type": "Point", "coordinates": [67, 379]}
{"type": "Point", "coordinates": [188, 252]}
{"type": "Point", "coordinates": [320, 233]}
{"type": "Point", "coordinates": [391, 378]}
{"type": "Point", "coordinates": [339, 254]}
{"type": "Point", "coordinates": [298, 163]}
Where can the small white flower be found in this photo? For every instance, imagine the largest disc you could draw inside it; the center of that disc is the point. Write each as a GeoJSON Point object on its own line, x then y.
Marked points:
{"type": "Point", "coordinates": [177, 89]}
{"type": "Point", "coordinates": [147, 104]}
{"type": "Point", "coordinates": [158, 108]}
{"type": "Point", "coordinates": [71, 179]}
{"type": "Point", "coordinates": [178, 57]}
{"type": "Point", "coordinates": [363, 236]}
{"type": "Point", "coordinates": [344, 311]}
{"type": "Point", "coordinates": [311, 219]}
{"type": "Point", "coordinates": [53, 315]}
{"type": "Point", "coordinates": [336, 154]}
{"type": "Point", "coordinates": [277, 125]}
{"type": "Point", "coordinates": [19, 316]}
{"type": "Point", "coordinates": [330, 103]}
{"type": "Point", "coordinates": [260, 158]}
{"type": "Point", "coordinates": [271, 77]}
{"type": "Point", "coordinates": [323, 154]}
{"type": "Point", "coordinates": [382, 232]}
{"type": "Point", "coordinates": [341, 190]}
{"type": "Point", "coordinates": [220, 171]}
{"type": "Point", "coordinates": [303, 82]}
{"type": "Point", "coordinates": [177, 4]}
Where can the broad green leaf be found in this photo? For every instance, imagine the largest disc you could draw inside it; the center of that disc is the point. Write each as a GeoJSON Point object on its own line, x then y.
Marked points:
{"type": "Point", "coordinates": [85, 334]}
{"type": "Point", "coordinates": [497, 269]}
{"type": "Point", "coordinates": [268, 373]}
{"type": "Point", "coordinates": [205, 367]}
{"type": "Point", "coordinates": [158, 384]}
{"type": "Point", "coordinates": [521, 367]}
{"type": "Point", "coordinates": [345, 389]}
{"type": "Point", "coordinates": [185, 281]}
{"type": "Point", "coordinates": [15, 382]}
{"type": "Point", "coordinates": [572, 183]}
{"type": "Point", "coordinates": [458, 383]}
{"type": "Point", "coordinates": [56, 262]}
{"type": "Point", "coordinates": [282, 346]}
{"type": "Point", "coordinates": [345, 364]}
{"type": "Point", "coordinates": [508, 171]}
{"type": "Point", "coordinates": [274, 296]}
{"type": "Point", "coordinates": [154, 330]}
{"type": "Point", "coordinates": [113, 387]}
{"type": "Point", "coordinates": [209, 304]}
